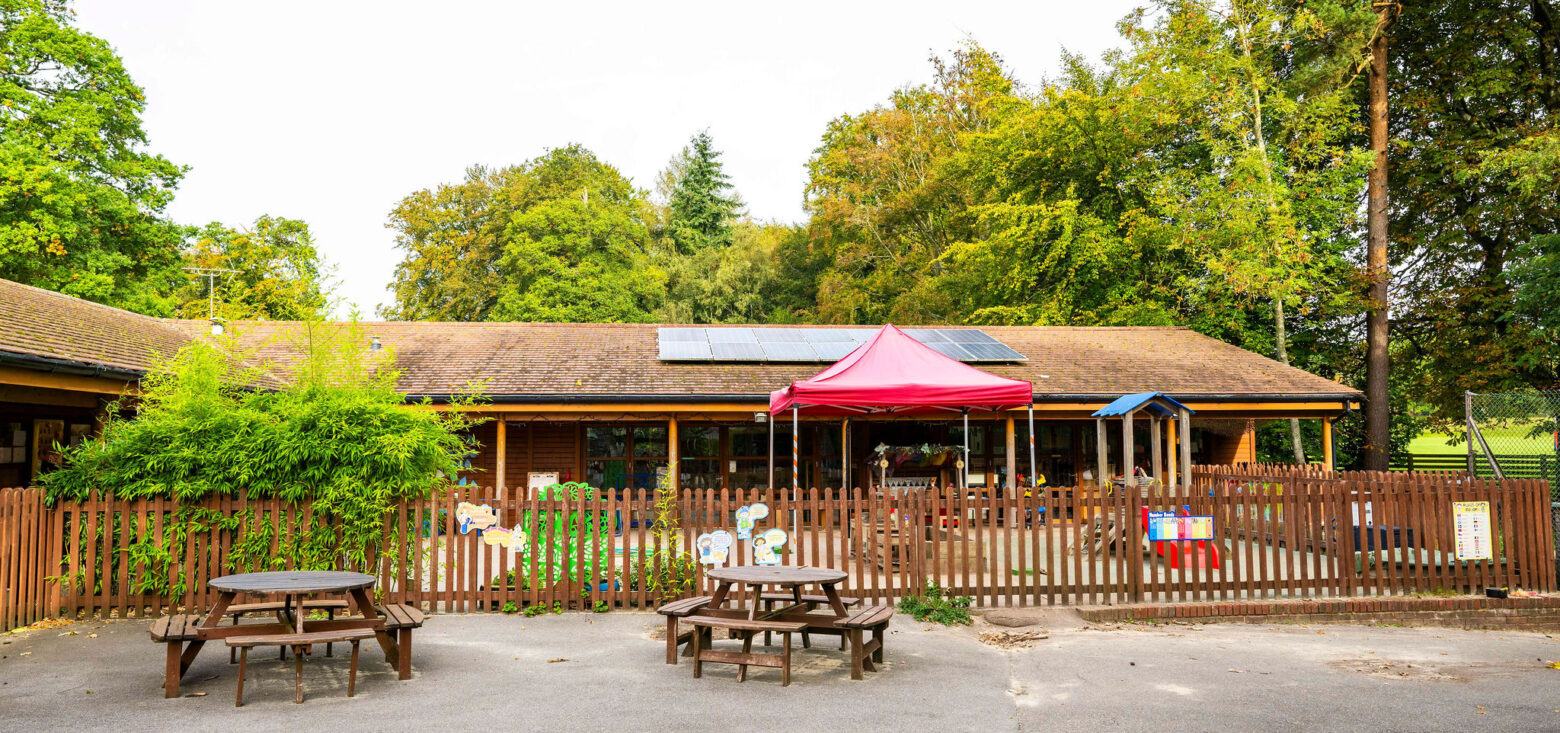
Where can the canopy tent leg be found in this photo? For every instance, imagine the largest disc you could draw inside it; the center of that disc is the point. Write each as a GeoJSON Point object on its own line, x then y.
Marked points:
{"type": "Point", "coordinates": [796, 450]}
{"type": "Point", "coordinates": [966, 470]}
{"type": "Point", "coordinates": [844, 455]}
{"type": "Point", "coordinates": [1034, 476]}
{"type": "Point", "coordinates": [771, 456]}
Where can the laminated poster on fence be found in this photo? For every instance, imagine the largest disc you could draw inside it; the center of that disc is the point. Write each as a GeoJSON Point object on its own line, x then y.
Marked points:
{"type": "Point", "coordinates": [714, 547]}
{"type": "Point", "coordinates": [766, 547]}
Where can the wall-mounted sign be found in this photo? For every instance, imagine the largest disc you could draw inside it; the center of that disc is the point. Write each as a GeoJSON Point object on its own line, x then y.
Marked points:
{"type": "Point", "coordinates": [1471, 524]}
{"type": "Point", "coordinates": [1168, 527]}
{"type": "Point", "coordinates": [536, 480]}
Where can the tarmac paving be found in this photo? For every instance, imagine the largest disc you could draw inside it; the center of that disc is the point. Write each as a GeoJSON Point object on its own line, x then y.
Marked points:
{"type": "Point", "coordinates": [607, 672]}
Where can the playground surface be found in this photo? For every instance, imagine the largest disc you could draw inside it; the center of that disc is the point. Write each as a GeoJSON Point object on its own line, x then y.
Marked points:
{"type": "Point", "coordinates": [606, 672]}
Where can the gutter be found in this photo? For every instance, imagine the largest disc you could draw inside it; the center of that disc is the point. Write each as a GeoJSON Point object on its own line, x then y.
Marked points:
{"type": "Point", "coordinates": [68, 366]}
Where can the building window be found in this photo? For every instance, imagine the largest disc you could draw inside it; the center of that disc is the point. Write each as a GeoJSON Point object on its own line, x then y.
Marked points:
{"type": "Point", "coordinates": [624, 457]}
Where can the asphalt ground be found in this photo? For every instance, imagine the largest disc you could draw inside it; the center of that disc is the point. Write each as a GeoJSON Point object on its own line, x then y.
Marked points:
{"type": "Point", "coordinates": [607, 672]}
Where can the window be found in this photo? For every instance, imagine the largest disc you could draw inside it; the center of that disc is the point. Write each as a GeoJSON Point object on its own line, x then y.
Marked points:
{"type": "Point", "coordinates": [620, 457]}
{"type": "Point", "coordinates": [698, 457]}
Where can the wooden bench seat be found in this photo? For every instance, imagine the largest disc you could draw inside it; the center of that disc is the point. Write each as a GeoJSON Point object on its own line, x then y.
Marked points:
{"type": "Point", "coordinates": [673, 611]}
{"type": "Point", "coordinates": [812, 601]}
{"type": "Point", "coordinates": [862, 655]}
{"type": "Point", "coordinates": [239, 610]}
{"type": "Point", "coordinates": [300, 644]}
{"type": "Point", "coordinates": [400, 619]}
{"type": "Point", "coordinates": [176, 628]}
{"type": "Point", "coordinates": [703, 641]}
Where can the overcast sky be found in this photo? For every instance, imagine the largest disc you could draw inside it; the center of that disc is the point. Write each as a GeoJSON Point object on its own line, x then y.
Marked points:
{"type": "Point", "coordinates": [331, 112]}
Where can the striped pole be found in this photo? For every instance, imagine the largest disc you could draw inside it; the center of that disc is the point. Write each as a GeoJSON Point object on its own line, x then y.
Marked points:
{"type": "Point", "coordinates": [796, 451]}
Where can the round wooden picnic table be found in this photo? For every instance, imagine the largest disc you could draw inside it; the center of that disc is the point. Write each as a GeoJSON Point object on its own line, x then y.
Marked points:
{"type": "Point", "coordinates": [293, 582]}
{"type": "Point", "coordinates": [792, 577]}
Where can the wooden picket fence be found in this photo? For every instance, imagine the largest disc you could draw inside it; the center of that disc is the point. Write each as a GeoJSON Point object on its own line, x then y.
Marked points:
{"type": "Point", "coordinates": [1281, 532]}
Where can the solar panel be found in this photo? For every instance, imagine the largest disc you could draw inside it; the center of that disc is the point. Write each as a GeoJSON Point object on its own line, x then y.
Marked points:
{"type": "Point", "coordinates": [992, 352]}
{"type": "Point", "coordinates": [834, 351]}
{"type": "Point", "coordinates": [682, 334]}
{"type": "Point", "coordinates": [952, 351]}
{"type": "Point", "coordinates": [825, 335]}
{"type": "Point", "coordinates": [782, 335]}
{"type": "Point", "coordinates": [816, 344]}
{"type": "Point", "coordinates": [685, 351]}
{"type": "Point", "coordinates": [967, 336]}
{"type": "Point", "coordinates": [731, 336]}
{"type": "Point", "coordinates": [737, 352]}
{"type": "Point", "coordinates": [789, 351]}
{"type": "Point", "coordinates": [926, 336]}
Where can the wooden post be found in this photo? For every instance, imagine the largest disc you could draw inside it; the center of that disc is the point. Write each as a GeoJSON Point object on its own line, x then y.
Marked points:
{"type": "Point", "coordinates": [1101, 444]}
{"type": "Point", "coordinates": [1172, 475]}
{"type": "Point", "coordinates": [1327, 443]}
{"type": "Point", "coordinates": [1127, 449]}
{"type": "Point", "coordinates": [674, 473]}
{"type": "Point", "coordinates": [1156, 453]}
{"type": "Point", "coordinates": [1012, 455]}
{"type": "Point", "coordinates": [503, 452]}
{"type": "Point", "coordinates": [1186, 449]}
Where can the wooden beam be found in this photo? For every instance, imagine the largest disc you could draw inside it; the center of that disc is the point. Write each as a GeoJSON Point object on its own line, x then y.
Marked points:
{"type": "Point", "coordinates": [1186, 450]}
{"type": "Point", "coordinates": [49, 397]}
{"type": "Point", "coordinates": [1327, 443]}
{"type": "Point", "coordinates": [1172, 475]}
{"type": "Point", "coordinates": [1102, 444]}
{"type": "Point", "coordinates": [1156, 453]}
{"type": "Point", "coordinates": [1128, 466]}
{"type": "Point", "coordinates": [673, 471]}
{"type": "Point", "coordinates": [502, 444]}
{"type": "Point", "coordinates": [70, 382]}
{"type": "Point", "coordinates": [1012, 454]}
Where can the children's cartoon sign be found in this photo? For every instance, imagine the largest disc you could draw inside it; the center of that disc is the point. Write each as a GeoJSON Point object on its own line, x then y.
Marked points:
{"type": "Point", "coordinates": [474, 517]}
{"type": "Point", "coordinates": [1167, 527]}
{"type": "Point", "coordinates": [747, 516]}
{"type": "Point", "coordinates": [714, 547]}
{"type": "Point", "coordinates": [766, 547]}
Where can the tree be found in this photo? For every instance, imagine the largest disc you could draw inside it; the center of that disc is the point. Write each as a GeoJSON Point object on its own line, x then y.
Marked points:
{"type": "Point", "coordinates": [1377, 338]}
{"type": "Point", "coordinates": [81, 201]}
{"type": "Point", "coordinates": [743, 282]}
{"type": "Point", "coordinates": [562, 237]}
{"type": "Point", "coordinates": [1469, 81]}
{"type": "Point", "coordinates": [277, 272]}
{"type": "Point", "coordinates": [700, 211]}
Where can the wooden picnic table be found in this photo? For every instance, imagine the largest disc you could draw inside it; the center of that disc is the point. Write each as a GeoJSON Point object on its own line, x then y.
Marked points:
{"type": "Point", "coordinates": [790, 577]}
{"type": "Point", "coordinates": [292, 585]}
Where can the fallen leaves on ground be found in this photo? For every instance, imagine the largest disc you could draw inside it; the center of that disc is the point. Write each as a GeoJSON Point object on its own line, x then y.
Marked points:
{"type": "Point", "coordinates": [1012, 639]}
{"type": "Point", "coordinates": [48, 623]}
{"type": "Point", "coordinates": [555, 661]}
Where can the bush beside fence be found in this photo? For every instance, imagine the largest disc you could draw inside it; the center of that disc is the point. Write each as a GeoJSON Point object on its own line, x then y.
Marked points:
{"type": "Point", "coordinates": [1283, 532]}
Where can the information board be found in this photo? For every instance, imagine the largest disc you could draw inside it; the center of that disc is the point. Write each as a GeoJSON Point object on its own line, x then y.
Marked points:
{"type": "Point", "coordinates": [1167, 527]}
{"type": "Point", "coordinates": [1471, 523]}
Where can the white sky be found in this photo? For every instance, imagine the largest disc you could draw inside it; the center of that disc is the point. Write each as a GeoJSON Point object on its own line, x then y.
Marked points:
{"type": "Point", "coordinates": [331, 112]}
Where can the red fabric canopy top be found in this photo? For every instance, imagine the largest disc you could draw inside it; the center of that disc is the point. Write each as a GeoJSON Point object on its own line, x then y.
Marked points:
{"type": "Point", "coordinates": [892, 372]}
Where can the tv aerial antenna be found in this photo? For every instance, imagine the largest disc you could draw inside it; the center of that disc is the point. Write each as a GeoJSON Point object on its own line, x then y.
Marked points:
{"type": "Point", "coordinates": [211, 274]}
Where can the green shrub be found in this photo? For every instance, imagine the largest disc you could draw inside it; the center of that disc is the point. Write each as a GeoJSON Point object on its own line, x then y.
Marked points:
{"type": "Point", "coordinates": [933, 605]}
{"type": "Point", "coordinates": [327, 429]}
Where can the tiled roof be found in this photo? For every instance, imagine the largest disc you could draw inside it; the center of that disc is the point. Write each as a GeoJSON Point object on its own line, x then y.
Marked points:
{"type": "Point", "coordinates": [47, 324]}
{"type": "Point", "coordinates": [540, 360]}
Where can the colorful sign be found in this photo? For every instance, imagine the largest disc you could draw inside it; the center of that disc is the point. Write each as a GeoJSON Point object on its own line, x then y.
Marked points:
{"type": "Point", "coordinates": [747, 516]}
{"type": "Point", "coordinates": [474, 517]}
{"type": "Point", "coordinates": [1471, 523]}
{"type": "Point", "coordinates": [766, 547]}
{"type": "Point", "coordinates": [714, 547]}
{"type": "Point", "coordinates": [1168, 527]}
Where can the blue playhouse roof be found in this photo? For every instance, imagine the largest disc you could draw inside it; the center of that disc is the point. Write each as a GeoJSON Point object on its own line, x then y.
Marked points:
{"type": "Point", "coordinates": [1131, 402]}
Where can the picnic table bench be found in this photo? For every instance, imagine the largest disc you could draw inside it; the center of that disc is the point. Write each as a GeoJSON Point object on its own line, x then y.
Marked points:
{"type": "Point", "coordinates": [282, 610]}
{"type": "Point", "coordinates": [300, 644]}
{"type": "Point", "coordinates": [874, 619]}
{"type": "Point", "coordinates": [810, 602]}
{"type": "Point", "coordinates": [703, 653]}
{"type": "Point", "coordinates": [673, 611]}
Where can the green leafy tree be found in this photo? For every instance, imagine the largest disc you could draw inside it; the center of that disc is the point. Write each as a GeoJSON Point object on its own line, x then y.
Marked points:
{"type": "Point", "coordinates": [700, 211]}
{"type": "Point", "coordinates": [277, 272]}
{"type": "Point", "coordinates": [562, 237]}
{"type": "Point", "coordinates": [742, 282]}
{"type": "Point", "coordinates": [81, 201]}
{"type": "Point", "coordinates": [1473, 86]}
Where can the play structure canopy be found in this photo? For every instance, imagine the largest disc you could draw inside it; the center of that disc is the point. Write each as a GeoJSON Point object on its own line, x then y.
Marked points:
{"type": "Point", "coordinates": [1158, 402]}
{"type": "Point", "coordinates": [894, 373]}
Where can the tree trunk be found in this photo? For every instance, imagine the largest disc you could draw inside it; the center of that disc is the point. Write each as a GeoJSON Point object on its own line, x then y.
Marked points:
{"type": "Point", "coordinates": [1377, 415]}
{"type": "Point", "coordinates": [1281, 334]}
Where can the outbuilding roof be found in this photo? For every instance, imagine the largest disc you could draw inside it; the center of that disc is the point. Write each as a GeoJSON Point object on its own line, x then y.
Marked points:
{"type": "Point", "coordinates": [605, 362]}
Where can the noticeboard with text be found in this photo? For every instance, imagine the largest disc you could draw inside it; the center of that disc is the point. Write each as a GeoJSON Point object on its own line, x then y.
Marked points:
{"type": "Point", "coordinates": [1471, 524]}
{"type": "Point", "coordinates": [1168, 527]}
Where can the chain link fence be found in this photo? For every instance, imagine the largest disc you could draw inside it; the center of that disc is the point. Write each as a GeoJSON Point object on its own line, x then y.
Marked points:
{"type": "Point", "coordinates": [1514, 434]}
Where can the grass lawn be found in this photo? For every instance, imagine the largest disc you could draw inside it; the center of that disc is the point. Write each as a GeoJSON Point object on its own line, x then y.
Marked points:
{"type": "Point", "coordinates": [1502, 440]}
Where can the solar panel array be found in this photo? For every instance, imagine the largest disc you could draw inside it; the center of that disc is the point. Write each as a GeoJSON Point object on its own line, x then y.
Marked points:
{"type": "Point", "coordinates": [817, 344]}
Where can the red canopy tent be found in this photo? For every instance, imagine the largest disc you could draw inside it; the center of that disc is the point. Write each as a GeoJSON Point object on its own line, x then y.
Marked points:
{"type": "Point", "coordinates": [894, 373]}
